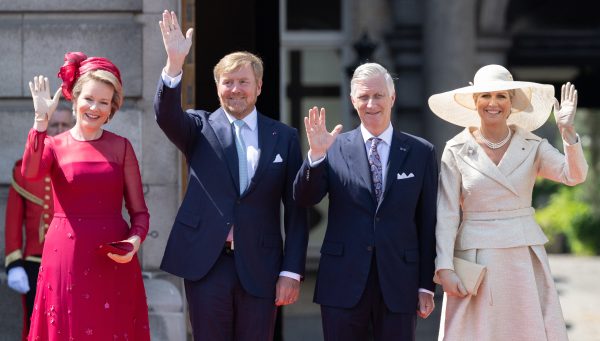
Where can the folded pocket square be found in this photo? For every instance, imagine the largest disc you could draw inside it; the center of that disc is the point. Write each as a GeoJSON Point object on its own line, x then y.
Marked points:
{"type": "Point", "coordinates": [404, 176]}
{"type": "Point", "coordinates": [278, 159]}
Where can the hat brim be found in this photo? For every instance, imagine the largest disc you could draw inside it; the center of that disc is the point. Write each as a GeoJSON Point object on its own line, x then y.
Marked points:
{"type": "Point", "coordinates": [530, 106]}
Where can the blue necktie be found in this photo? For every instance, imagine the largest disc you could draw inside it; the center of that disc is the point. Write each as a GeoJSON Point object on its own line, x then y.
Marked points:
{"type": "Point", "coordinates": [376, 170]}
{"type": "Point", "coordinates": [240, 145]}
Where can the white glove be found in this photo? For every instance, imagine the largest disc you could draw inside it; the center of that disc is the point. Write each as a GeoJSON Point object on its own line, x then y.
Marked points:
{"type": "Point", "coordinates": [564, 113]}
{"type": "Point", "coordinates": [17, 280]}
{"type": "Point", "coordinates": [42, 103]}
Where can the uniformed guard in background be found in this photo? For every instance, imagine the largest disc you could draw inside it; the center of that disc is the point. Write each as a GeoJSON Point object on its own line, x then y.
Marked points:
{"type": "Point", "coordinates": [29, 210]}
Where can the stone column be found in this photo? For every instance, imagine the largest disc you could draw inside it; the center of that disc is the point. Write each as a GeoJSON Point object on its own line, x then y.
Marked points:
{"type": "Point", "coordinates": [493, 42]}
{"type": "Point", "coordinates": [450, 57]}
{"type": "Point", "coordinates": [405, 42]}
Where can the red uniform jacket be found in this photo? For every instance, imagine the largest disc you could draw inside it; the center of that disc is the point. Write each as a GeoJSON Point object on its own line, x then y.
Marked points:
{"type": "Point", "coordinates": [29, 209]}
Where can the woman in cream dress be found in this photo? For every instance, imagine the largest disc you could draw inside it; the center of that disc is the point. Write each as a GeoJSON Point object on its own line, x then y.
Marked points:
{"type": "Point", "coordinates": [484, 205]}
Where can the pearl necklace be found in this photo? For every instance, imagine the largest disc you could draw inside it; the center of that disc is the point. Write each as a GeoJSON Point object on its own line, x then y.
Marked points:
{"type": "Point", "coordinates": [494, 145]}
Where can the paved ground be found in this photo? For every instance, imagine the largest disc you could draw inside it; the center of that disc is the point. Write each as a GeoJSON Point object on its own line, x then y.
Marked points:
{"type": "Point", "coordinates": [577, 280]}
{"type": "Point", "coordinates": [302, 321]}
{"type": "Point", "coordinates": [10, 311]}
{"type": "Point", "coordinates": [578, 283]}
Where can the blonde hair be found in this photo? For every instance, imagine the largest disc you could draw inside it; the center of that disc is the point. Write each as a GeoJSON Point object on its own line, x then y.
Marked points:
{"type": "Point", "coordinates": [235, 60]}
{"type": "Point", "coordinates": [107, 78]}
{"type": "Point", "coordinates": [511, 94]}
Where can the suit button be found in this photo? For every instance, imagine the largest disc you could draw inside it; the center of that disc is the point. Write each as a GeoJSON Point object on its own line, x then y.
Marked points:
{"type": "Point", "coordinates": [46, 197]}
{"type": "Point", "coordinates": [47, 179]}
{"type": "Point", "coordinates": [370, 248]}
{"type": "Point", "coordinates": [46, 206]}
{"type": "Point", "coordinates": [46, 216]}
{"type": "Point", "coordinates": [47, 188]}
{"type": "Point", "coordinates": [46, 226]}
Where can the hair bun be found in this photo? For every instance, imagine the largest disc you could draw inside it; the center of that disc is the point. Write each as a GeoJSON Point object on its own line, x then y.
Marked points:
{"type": "Point", "coordinates": [69, 72]}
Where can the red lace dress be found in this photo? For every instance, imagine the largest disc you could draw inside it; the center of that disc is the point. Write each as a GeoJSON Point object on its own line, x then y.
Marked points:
{"type": "Point", "coordinates": [82, 294]}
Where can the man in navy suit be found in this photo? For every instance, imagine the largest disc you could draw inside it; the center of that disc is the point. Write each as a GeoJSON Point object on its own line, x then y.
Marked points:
{"type": "Point", "coordinates": [226, 241]}
{"type": "Point", "coordinates": [377, 258]}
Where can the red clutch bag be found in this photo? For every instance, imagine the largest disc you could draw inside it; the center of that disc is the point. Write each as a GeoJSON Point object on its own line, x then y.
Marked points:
{"type": "Point", "coordinates": [118, 248]}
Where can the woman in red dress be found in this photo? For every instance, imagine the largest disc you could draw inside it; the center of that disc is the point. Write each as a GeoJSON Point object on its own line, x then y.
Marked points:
{"type": "Point", "coordinates": [85, 292]}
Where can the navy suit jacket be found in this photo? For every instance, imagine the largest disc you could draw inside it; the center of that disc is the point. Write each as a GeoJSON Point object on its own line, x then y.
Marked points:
{"type": "Point", "coordinates": [400, 230]}
{"type": "Point", "coordinates": [212, 202]}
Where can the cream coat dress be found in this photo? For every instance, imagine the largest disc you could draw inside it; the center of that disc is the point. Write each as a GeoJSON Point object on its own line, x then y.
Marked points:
{"type": "Point", "coordinates": [484, 215]}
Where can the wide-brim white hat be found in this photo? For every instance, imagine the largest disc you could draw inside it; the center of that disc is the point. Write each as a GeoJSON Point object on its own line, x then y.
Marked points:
{"type": "Point", "coordinates": [530, 106]}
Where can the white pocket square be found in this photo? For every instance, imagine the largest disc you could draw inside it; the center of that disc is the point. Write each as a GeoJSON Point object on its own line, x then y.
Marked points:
{"type": "Point", "coordinates": [404, 176]}
{"type": "Point", "coordinates": [278, 159]}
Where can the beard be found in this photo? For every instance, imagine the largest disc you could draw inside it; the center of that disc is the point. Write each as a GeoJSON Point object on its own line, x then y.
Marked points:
{"type": "Point", "coordinates": [238, 108]}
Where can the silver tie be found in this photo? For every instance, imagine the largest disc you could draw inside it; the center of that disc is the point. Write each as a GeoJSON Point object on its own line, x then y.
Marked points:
{"type": "Point", "coordinates": [240, 145]}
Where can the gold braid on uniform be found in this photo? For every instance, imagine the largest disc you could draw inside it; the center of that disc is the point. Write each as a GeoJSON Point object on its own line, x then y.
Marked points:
{"type": "Point", "coordinates": [31, 197]}
{"type": "Point", "coordinates": [26, 194]}
{"type": "Point", "coordinates": [41, 228]}
{"type": "Point", "coordinates": [12, 257]}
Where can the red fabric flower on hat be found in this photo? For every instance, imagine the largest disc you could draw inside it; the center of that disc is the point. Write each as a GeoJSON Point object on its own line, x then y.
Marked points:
{"type": "Point", "coordinates": [69, 72]}
{"type": "Point", "coordinates": [77, 64]}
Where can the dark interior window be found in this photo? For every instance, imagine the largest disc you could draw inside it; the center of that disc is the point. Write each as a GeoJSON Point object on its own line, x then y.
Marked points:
{"type": "Point", "coordinates": [314, 15]}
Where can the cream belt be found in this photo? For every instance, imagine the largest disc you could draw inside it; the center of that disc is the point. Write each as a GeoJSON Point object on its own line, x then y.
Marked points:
{"type": "Point", "coordinates": [492, 215]}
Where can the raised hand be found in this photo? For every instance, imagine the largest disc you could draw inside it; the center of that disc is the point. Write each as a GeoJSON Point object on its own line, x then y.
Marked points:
{"type": "Point", "coordinates": [176, 45]}
{"type": "Point", "coordinates": [43, 105]}
{"type": "Point", "coordinates": [319, 139]}
{"type": "Point", "coordinates": [564, 113]}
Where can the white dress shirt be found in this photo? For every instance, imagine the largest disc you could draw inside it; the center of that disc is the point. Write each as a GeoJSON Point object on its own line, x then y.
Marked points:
{"type": "Point", "coordinates": [250, 136]}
